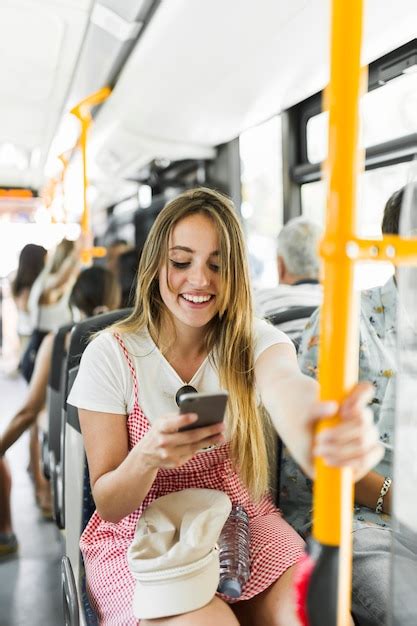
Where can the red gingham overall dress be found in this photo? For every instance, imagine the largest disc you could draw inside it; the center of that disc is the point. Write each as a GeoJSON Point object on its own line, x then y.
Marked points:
{"type": "Point", "coordinates": [275, 546]}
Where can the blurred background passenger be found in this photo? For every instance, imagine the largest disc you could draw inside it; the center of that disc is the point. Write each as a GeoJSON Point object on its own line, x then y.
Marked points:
{"type": "Point", "coordinates": [377, 363]}
{"type": "Point", "coordinates": [31, 263]}
{"type": "Point", "coordinates": [48, 299]}
{"type": "Point", "coordinates": [95, 291]}
{"type": "Point", "coordinates": [372, 523]}
{"type": "Point", "coordinates": [48, 310]}
{"type": "Point", "coordinates": [298, 267]}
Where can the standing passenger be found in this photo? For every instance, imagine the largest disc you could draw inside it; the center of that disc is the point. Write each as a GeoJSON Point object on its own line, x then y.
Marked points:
{"type": "Point", "coordinates": [31, 263]}
{"type": "Point", "coordinates": [193, 324]}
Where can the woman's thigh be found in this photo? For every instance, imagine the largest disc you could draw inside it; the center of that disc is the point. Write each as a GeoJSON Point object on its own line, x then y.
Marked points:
{"type": "Point", "coordinates": [275, 606]}
{"type": "Point", "coordinates": [216, 613]}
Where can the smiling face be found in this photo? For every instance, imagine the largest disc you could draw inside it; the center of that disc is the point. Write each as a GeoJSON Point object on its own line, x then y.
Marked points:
{"type": "Point", "coordinates": [190, 284]}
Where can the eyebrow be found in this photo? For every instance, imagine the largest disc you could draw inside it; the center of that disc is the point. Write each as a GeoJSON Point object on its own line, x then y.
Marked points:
{"type": "Point", "coordinates": [185, 249]}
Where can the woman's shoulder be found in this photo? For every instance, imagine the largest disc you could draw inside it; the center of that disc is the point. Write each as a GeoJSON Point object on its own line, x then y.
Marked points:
{"type": "Point", "coordinates": [263, 329]}
{"type": "Point", "coordinates": [103, 345]}
{"type": "Point", "coordinates": [266, 335]}
{"type": "Point", "coordinates": [112, 339]}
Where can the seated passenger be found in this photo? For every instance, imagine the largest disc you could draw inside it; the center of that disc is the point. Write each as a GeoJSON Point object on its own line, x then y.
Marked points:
{"type": "Point", "coordinates": [95, 291]}
{"type": "Point", "coordinates": [377, 363]}
{"type": "Point", "coordinates": [298, 273]}
{"type": "Point", "coordinates": [193, 324]}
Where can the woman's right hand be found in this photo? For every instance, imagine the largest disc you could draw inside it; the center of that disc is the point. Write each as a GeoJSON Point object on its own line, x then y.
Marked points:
{"type": "Point", "coordinates": [165, 446]}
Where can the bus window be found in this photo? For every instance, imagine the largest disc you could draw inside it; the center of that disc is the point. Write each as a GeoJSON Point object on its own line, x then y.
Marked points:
{"type": "Point", "coordinates": [313, 201]}
{"type": "Point", "coordinates": [375, 187]}
{"type": "Point", "coordinates": [261, 166]}
{"type": "Point", "coordinates": [386, 113]}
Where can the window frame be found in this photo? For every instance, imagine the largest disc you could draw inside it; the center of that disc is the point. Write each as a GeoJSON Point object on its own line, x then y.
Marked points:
{"type": "Point", "coordinates": [297, 168]}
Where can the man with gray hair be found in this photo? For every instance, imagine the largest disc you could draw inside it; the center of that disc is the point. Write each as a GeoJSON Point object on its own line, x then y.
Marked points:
{"type": "Point", "coordinates": [298, 272]}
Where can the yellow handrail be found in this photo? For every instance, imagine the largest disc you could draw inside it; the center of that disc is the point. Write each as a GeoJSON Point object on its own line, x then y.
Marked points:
{"type": "Point", "coordinates": [338, 357]}
{"type": "Point", "coordinates": [340, 249]}
{"type": "Point", "coordinates": [83, 112]}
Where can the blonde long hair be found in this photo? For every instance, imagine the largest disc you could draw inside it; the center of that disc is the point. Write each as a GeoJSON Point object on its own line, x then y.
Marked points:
{"type": "Point", "coordinates": [230, 337]}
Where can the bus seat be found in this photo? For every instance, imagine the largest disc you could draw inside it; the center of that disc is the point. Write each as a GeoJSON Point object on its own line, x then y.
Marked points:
{"type": "Point", "coordinates": [79, 504]}
{"type": "Point", "coordinates": [292, 321]}
{"type": "Point", "coordinates": [55, 401]}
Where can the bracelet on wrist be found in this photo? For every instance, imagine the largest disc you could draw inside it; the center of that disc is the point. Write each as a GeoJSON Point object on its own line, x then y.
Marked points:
{"type": "Point", "coordinates": [384, 490]}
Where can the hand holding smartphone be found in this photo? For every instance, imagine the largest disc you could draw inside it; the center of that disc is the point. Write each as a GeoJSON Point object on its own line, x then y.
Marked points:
{"type": "Point", "coordinates": [210, 407]}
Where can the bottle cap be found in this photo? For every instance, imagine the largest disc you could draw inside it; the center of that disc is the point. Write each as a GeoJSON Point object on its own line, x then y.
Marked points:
{"type": "Point", "coordinates": [230, 587]}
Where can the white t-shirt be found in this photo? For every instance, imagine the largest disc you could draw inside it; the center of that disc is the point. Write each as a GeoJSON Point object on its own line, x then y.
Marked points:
{"type": "Point", "coordinates": [104, 382]}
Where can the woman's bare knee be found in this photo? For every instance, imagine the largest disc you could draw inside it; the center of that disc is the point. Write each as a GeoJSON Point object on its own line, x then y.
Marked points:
{"type": "Point", "coordinates": [216, 612]}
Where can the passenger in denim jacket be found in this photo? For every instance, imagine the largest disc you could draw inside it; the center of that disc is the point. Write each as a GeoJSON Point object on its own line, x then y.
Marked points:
{"type": "Point", "coordinates": [377, 348]}
{"type": "Point", "coordinates": [376, 364]}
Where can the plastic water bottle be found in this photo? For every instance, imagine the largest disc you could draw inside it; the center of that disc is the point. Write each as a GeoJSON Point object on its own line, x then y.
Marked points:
{"type": "Point", "coordinates": [234, 553]}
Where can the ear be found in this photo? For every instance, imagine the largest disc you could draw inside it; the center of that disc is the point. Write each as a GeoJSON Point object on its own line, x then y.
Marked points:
{"type": "Point", "coordinates": [282, 269]}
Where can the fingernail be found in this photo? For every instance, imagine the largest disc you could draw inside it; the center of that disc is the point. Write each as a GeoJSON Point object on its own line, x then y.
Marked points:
{"type": "Point", "coordinates": [192, 417]}
{"type": "Point", "coordinates": [329, 461]}
{"type": "Point", "coordinates": [323, 437]}
{"type": "Point", "coordinates": [328, 408]}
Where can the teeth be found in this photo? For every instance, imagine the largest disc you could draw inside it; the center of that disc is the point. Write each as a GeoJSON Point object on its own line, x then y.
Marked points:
{"type": "Point", "coordinates": [196, 299]}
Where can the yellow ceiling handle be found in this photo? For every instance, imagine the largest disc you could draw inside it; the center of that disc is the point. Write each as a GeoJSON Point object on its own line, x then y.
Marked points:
{"type": "Point", "coordinates": [83, 112]}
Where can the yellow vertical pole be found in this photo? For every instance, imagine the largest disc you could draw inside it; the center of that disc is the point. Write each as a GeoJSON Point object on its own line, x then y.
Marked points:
{"type": "Point", "coordinates": [83, 112]}
{"type": "Point", "coordinates": [65, 162]}
{"type": "Point", "coordinates": [338, 358]}
{"type": "Point", "coordinates": [85, 125]}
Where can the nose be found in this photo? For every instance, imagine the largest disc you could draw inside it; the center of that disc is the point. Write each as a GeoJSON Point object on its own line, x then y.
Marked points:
{"type": "Point", "coordinates": [198, 276]}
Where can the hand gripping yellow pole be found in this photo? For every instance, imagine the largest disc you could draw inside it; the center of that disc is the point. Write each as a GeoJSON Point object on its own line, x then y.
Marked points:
{"type": "Point", "coordinates": [328, 591]}
{"type": "Point", "coordinates": [83, 112]}
{"type": "Point", "coordinates": [338, 357]}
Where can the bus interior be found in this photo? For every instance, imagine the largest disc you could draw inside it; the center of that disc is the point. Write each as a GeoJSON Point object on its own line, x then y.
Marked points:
{"type": "Point", "coordinates": [226, 95]}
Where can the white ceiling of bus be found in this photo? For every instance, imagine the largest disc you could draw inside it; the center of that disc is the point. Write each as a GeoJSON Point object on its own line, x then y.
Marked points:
{"type": "Point", "coordinates": [203, 71]}
{"type": "Point", "coordinates": [206, 70]}
{"type": "Point", "coordinates": [39, 46]}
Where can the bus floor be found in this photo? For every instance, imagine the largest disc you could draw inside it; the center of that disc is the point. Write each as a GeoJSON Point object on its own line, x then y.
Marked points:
{"type": "Point", "coordinates": [30, 581]}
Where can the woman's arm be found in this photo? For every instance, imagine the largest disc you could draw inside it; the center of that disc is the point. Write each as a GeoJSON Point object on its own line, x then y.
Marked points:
{"type": "Point", "coordinates": [21, 300]}
{"type": "Point", "coordinates": [120, 479]}
{"type": "Point", "coordinates": [58, 281]}
{"type": "Point", "coordinates": [35, 399]}
{"type": "Point", "coordinates": [368, 489]}
{"type": "Point", "coordinates": [290, 397]}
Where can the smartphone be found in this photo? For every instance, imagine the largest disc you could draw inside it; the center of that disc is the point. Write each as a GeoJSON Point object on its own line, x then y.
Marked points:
{"type": "Point", "coordinates": [210, 407]}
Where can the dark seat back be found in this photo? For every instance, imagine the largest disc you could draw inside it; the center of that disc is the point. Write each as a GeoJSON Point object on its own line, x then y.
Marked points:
{"type": "Point", "coordinates": [56, 390]}
{"type": "Point", "coordinates": [80, 338]}
{"type": "Point", "coordinates": [292, 321]}
{"type": "Point", "coordinates": [81, 506]}
{"type": "Point", "coordinates": [55, 400]}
